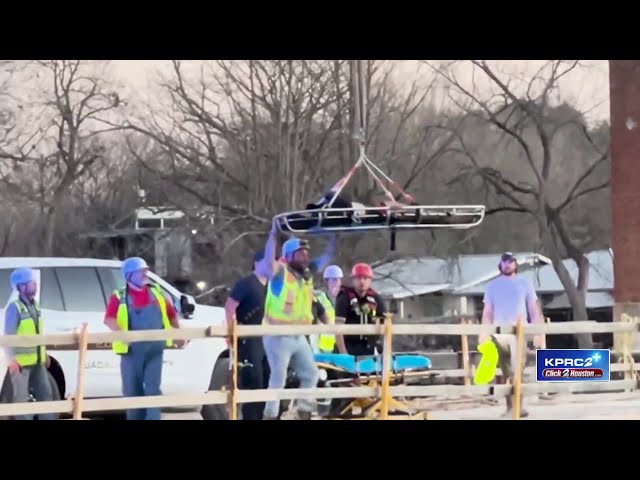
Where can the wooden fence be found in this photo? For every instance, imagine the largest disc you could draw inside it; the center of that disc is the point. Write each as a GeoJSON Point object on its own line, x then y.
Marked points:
{"type": "Point", "coordinates": [78, 404]}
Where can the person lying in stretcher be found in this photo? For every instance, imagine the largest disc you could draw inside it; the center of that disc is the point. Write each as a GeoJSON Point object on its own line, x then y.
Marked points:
{"type": "Point", "coordinates": [343, 201]}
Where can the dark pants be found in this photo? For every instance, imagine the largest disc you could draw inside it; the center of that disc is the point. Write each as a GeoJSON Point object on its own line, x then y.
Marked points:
{"type": "Point", "coordinates": [508, 358]}
{"type": "Point", "coordinates": [254, 375]}
{"type": "Point", "coordinates": [141, 371]}
{"type": "Point", "coordinates": [33, 379]}
{"type": "Point", "coordinates": [360, 347]}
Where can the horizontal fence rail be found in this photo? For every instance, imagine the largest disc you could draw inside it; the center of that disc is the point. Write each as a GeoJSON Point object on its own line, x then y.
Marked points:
{"type": "Point", "coordinates": [191, 333]}
{"type": "Point", "coordinates": [78, 404]}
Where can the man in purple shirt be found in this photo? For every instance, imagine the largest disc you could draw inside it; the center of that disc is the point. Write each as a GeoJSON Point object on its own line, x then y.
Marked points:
{"type": "Point", "coordinates": [508, 298]}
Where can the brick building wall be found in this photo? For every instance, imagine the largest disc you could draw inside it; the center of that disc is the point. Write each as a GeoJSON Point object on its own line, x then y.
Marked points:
{"type": "Point", "coordinates": [624, 88]}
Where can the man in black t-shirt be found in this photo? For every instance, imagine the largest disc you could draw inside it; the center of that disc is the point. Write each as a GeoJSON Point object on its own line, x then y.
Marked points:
{"type": "Point", "coordinates": [246, 302]}
{"type": "Point", "coordinates": [359, 304]}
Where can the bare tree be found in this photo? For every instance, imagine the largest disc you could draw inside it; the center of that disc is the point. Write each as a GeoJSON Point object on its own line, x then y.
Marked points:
{"type": "Point", "coordinates": [537, 180]}
{"type": "Point", "coordinates": [58, 138]}
{"type": "Point", "coordinates": [249, 139]}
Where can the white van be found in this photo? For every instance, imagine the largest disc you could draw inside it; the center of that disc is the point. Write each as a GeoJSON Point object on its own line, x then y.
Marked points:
{"type": "Point", "coordinates": [75, 290]}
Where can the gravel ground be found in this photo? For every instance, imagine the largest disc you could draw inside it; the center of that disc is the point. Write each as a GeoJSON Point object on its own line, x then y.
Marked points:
{"type": "Point", "coordinates": [619, 406]}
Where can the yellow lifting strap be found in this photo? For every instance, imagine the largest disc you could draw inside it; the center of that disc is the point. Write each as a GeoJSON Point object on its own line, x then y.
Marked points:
{"type": "Point", "coordinates": [486, 370]}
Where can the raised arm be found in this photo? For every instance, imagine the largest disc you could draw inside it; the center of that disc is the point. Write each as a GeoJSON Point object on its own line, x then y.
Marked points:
{"type": "Point", "coordinates": [268, 266]}
{"type": "Point", "coordinates": [319, 264]}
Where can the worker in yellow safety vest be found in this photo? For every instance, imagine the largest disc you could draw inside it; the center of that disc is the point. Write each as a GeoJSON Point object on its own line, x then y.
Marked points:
{"type": "Point", "coordinates": [333, 278]}
{"type": "Point", "coordinates": [27, 365]}
{"type": "Point", "coordinates": [289, 301]}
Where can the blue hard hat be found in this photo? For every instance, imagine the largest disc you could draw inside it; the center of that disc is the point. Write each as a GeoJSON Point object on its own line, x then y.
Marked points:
{"type": "Point", "coordinates": [21, 275]}
{"type": "Point", "coordinates": [132, 264]}
{"type": "Point", "coordinates": [293, 245]}
{"type": "Point", "coordinates": [332, 271]}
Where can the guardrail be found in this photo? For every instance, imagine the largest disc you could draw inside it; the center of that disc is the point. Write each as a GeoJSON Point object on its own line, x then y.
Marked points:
{"type": "Point", "coordinates": [77, 404]}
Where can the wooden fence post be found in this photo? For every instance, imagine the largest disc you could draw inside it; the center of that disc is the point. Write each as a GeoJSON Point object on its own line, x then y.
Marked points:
{"type": "Point", "coordinates": [386, 366]}
{"type": "Point", "coordinates": [625, 355]}
{"type": "Point", "coordinates": [234, 371]}
{"type": "Point", "coordinates": [82, 358]}
{"type": "Point", "coordinates": [465, 343]}
{"type": "Point", "coordinates": [517, 380]}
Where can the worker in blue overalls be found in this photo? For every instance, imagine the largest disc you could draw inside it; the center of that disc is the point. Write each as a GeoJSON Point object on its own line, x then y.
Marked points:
{"type": "Point", "coordinates": [140, 306]}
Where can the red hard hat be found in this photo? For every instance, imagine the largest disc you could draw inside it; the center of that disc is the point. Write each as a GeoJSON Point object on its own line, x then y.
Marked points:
{"type": "Point", "coordinates": [362, 270]}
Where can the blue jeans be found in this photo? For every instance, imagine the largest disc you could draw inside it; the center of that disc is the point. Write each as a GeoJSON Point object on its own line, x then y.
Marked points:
{"type": "Point", "coordinates": [141, 371]}
{"type": "Point", "coordinates": [281, 352]}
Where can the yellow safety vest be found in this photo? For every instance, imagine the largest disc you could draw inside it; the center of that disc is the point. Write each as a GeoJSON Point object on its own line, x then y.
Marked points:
{"type": "Point", "coordinates": [486, 370]}
{"type": "Point", "coordinates": [294, 303]}
{"type": "Point", "coordinates": [122, 318]}
{"type": "Point", "coordinates": [327, 340]}
{"type": "Point", "coordinates": [29, 356]}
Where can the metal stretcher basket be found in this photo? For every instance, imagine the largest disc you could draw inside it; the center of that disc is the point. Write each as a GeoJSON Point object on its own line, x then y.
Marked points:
{"type": "Point", "coordinates": [340, 370]}
{"type": "Point", "coordinates": [380, 218]}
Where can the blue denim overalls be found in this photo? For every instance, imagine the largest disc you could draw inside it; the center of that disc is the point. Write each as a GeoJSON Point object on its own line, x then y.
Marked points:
{"type": "Point", "coordinates": [141, 367]}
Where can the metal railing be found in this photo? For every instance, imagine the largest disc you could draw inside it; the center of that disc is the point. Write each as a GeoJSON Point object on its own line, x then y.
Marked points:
{"type": "Point", "coordinates": [77, 404]}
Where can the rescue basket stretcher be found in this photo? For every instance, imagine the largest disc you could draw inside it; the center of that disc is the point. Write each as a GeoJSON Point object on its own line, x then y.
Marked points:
{"type": "Point", "coordinates": [359, 219]}
{"type": "Point", "coordinates": [342, 370]}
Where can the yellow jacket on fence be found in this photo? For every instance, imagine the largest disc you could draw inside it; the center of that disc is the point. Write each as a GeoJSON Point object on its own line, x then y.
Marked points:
{"type": "Point", "coordinates": [486, 370]}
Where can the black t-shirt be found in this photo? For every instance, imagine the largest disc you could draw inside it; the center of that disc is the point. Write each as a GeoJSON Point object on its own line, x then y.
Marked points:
{"type": "Point", "coordinates": [360, 310]}
{"type": "Point", "coordinates": [250, 295]}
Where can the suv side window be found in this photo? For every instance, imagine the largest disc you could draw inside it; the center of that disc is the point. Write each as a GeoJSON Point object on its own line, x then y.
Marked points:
{"type": "Point", "coordinates": [81, 289]}
{"type": "Point", "coordinates": [50, 294]}
{"type": "Point", "coordinates": [111, 280]}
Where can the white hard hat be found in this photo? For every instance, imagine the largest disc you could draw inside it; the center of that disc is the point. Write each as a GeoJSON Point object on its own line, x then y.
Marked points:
{"type": "Point", "coordinates": [332, 271]}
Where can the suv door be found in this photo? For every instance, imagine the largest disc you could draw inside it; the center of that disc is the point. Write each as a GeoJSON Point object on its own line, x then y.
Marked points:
{"type": "Point", "coordinates": [84, 300]}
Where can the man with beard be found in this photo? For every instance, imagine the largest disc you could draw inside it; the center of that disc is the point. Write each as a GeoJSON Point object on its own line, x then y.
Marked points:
{"type": "Point", "coordinates": [289, 301]}
{"type": "Point", "coordinates": [246, 303]}
{"type": "Point", "coordinates": [359, 304]}
{"type": "Point", "coordinates": [508, 298]}
{"type": "Point", "coordinates": [27, 365]}
{"type": "Point", "coordinates": [140, 305]}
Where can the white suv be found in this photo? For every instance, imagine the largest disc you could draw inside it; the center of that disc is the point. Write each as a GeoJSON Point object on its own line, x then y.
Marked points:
{"type": "Point", "coordinates": [75, 290]}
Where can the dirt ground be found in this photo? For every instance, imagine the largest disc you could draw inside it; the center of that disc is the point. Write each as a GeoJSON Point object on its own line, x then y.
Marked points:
{"type": "Point", "coordinates": [577, 407]}
{"type": "Point", "coordinates": [618, 406]}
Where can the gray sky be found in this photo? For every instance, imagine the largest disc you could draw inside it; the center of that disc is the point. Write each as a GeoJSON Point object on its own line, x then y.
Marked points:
{"type": "Point", "coordinates": [587, 87]}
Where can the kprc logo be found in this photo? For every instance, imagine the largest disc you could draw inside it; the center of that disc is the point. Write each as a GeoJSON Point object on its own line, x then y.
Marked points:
{"type": "Point", "coordinates": [573, 362]}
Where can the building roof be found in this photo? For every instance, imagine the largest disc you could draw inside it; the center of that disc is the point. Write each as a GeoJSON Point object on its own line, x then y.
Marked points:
{"type": "Point", "coordinates": [418, 276]}
{"type": "Point", "coordinates": [545, 279]}
{"type": "Point", "coordinates": [594, 300]}
{"type": "Point", "coordinates": [469, 274]}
